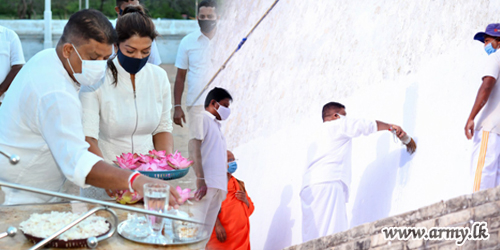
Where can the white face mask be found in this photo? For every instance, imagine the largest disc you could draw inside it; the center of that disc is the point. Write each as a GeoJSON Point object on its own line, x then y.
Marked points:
{"type": "Point", "coordinates": [92, 70]}
{"type": "Point", "coordinates": [223, 112]}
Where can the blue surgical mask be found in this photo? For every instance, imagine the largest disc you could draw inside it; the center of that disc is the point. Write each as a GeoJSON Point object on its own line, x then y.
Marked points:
{"type": "Point", "coordinates": [489, 49]}
{"type": "Point", "coordinates": [130, 64]}
{"type": "Point", "coordinates": [232, 167]}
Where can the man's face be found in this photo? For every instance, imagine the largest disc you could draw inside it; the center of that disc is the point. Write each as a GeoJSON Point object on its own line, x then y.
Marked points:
{"type": "Point", "coordinates": [90, 50]}
{"type": "Point", "coordinates": [214, 106]}
{"type": "Point", "coordinates": [207, 13]}
{"type": "Point", "coordinates": [125, 5]}
{"type": "Point", "coordinates": [335, 115]}
{"type": "Point", "coordinates": [493, 41]}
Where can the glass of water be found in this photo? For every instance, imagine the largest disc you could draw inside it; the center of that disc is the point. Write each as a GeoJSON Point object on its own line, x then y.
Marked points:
{"type": "Point", "coordinates": [156, 199]}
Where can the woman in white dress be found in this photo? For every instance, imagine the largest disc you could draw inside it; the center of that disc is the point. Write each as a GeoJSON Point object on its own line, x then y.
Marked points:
{"type": "Point", "coordinates": [129, 111]}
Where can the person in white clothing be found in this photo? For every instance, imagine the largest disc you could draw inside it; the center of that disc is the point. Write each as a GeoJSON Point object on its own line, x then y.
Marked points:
{"type": "Point", "coordinates": [326, 181]}
{"type": "Point", "coordinates": [11, 58]}
{"type": "Point", "coordinates": [154, 55]}
{"type": "Point", "coordinates": [129, 111]}
{"type": "Point", "coordinates": [194, 60]}
{"type": "Point", "coordinates": [41, 118]}
{"type": "Point", "coordinates": [210, 159]}
{"type": "Point", "coordinates": [486, 135]}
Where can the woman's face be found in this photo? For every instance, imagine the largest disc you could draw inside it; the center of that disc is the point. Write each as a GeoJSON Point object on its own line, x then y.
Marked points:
{"type": "Point", "coordinates": [136, 47]}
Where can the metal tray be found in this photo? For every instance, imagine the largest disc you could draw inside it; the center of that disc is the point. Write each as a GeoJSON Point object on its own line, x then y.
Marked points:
{"type": "Point", "coordinates": [168, 233]}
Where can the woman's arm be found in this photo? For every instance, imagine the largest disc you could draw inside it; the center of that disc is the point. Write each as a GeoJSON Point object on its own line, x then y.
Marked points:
{"type": "Point", "coordinates": [164, 141]}
{"type": "Point", "coordinates": [94, 148]}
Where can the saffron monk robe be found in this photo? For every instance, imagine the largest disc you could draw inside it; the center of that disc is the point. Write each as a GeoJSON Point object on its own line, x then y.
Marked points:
{"type": "Point", "coordinates": [232, 228]}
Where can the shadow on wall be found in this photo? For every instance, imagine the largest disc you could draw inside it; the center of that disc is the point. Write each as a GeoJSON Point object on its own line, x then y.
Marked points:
{"type": "Point", "coordinates": [374, 197]}
{"type": "Point", "coordinates": [409, 121]}
{"type": "Point", "coordinates": [280, 231]}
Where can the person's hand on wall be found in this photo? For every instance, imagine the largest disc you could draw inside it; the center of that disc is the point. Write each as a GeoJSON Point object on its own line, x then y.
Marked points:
{"type": "Point", "coordinates": [240, 195]}
{"type": "Point", "coordinates": [400, 133]}
{"type": "Point", "coordinates": [179, 116]}
{"type": "Point", "coordinates": [201, 190]}
{"type": "Point", "coordinates": [220, 231]}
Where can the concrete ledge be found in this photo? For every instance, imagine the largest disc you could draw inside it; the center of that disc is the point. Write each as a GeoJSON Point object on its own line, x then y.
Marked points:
{"type": "Point", "coordinates": [461, 211]}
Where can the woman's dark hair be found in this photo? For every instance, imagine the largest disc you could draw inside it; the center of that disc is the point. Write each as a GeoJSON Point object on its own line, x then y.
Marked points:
{"type": "Point", "coordinates": [217, 94]}
{"type": "Point", "coordinates": [133, 22]}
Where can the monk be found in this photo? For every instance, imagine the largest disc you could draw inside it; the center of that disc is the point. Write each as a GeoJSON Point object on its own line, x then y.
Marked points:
{"type": "Point", "coordinates": [232, 228]}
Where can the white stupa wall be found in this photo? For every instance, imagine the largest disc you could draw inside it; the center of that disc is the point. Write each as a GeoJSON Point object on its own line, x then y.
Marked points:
{"type": "Point", "coordinates": [412, 63]}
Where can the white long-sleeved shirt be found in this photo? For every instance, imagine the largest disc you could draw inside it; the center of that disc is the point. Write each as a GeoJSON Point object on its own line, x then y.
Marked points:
{"type": "Point", "coordinates": [123, 121]}
{"type": "Point", "coordinates": [41, 121]}
{"type": "Point", "coordinates": [329, 153]}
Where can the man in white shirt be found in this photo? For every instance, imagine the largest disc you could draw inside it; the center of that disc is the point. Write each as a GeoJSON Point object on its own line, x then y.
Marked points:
{"type": "Point", "coordinates": [193, 60]}
{"type": "Point", "coordinates": [210, 162]}
{"type": "Point", "coordinates": [325, 184]}
{"type": "Point", "coordinates": [41, 118]}
{"type": "Point", "coordinates": [11, 58]}
{"type": "Point", "coordinates": [154, 56]}
{"type": "Point", "coordinates": [486, 135]}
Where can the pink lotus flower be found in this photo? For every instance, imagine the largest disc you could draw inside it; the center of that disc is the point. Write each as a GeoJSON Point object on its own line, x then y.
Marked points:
{"type": "Point", "coordinates": [148, 167]}
{"type": "Point", "coordinates": [177, 161]}
{"type": "Point", "coordinates": [128, 161]}
{"type": "Point", "coordinates": [158, 154]}
{"type": "Point", "coordinates": [185, 194]}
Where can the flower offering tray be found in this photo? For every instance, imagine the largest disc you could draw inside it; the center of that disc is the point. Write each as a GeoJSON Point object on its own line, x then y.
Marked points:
{"type": "Point", "coordinates": [125, 232]}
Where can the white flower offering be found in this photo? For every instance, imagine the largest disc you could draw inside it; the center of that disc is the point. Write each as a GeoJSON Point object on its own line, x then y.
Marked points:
{"type": "Point", "coordinates": [44, 225]}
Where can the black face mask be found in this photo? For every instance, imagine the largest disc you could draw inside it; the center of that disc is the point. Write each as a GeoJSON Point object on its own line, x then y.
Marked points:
{"type": "Point", "coordinates": [130, 64]}
{"type": "Point", "coordinates": [207, 25]}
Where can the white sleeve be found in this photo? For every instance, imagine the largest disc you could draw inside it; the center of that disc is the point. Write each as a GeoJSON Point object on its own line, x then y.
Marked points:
{"type": "Point", "coordinates": [154, 58]}
{"type": "Point", "coordinates": [353, 127]}
{"type": "Point", "coordinates": [182, 59]}
{"type": "Point", "coordinates": [89, 98]}
{"type": "Point", "coordinates": [16, 50]}
{"type": "Point", "coordinates": [60, 124]}
{"type": "Point", "coordinates": [166, 119]}
{"type": "Point", "coordinates": [492, 66]}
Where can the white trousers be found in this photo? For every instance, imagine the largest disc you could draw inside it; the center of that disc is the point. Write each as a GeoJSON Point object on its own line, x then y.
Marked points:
{"type": "Point", "coordinates": [207, 209]}
{"type": "Point", "coordinates": [485, 160]}
{"type": "Point", "coordinates": [323, 209]}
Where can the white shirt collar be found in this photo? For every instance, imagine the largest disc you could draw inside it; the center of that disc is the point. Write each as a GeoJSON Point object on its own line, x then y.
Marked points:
{"type": "Point", "coordinates": [66, 73]}
{"type": "Point", "coordinates": [212, 116]}
{"type": "Point", "coordinates": [200, 35]}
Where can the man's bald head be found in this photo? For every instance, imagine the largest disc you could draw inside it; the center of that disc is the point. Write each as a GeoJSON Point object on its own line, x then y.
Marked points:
{"type": "Point", "coordinates": [230, 156]}
{"type": "Point", "coordinates": [88, 24]}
